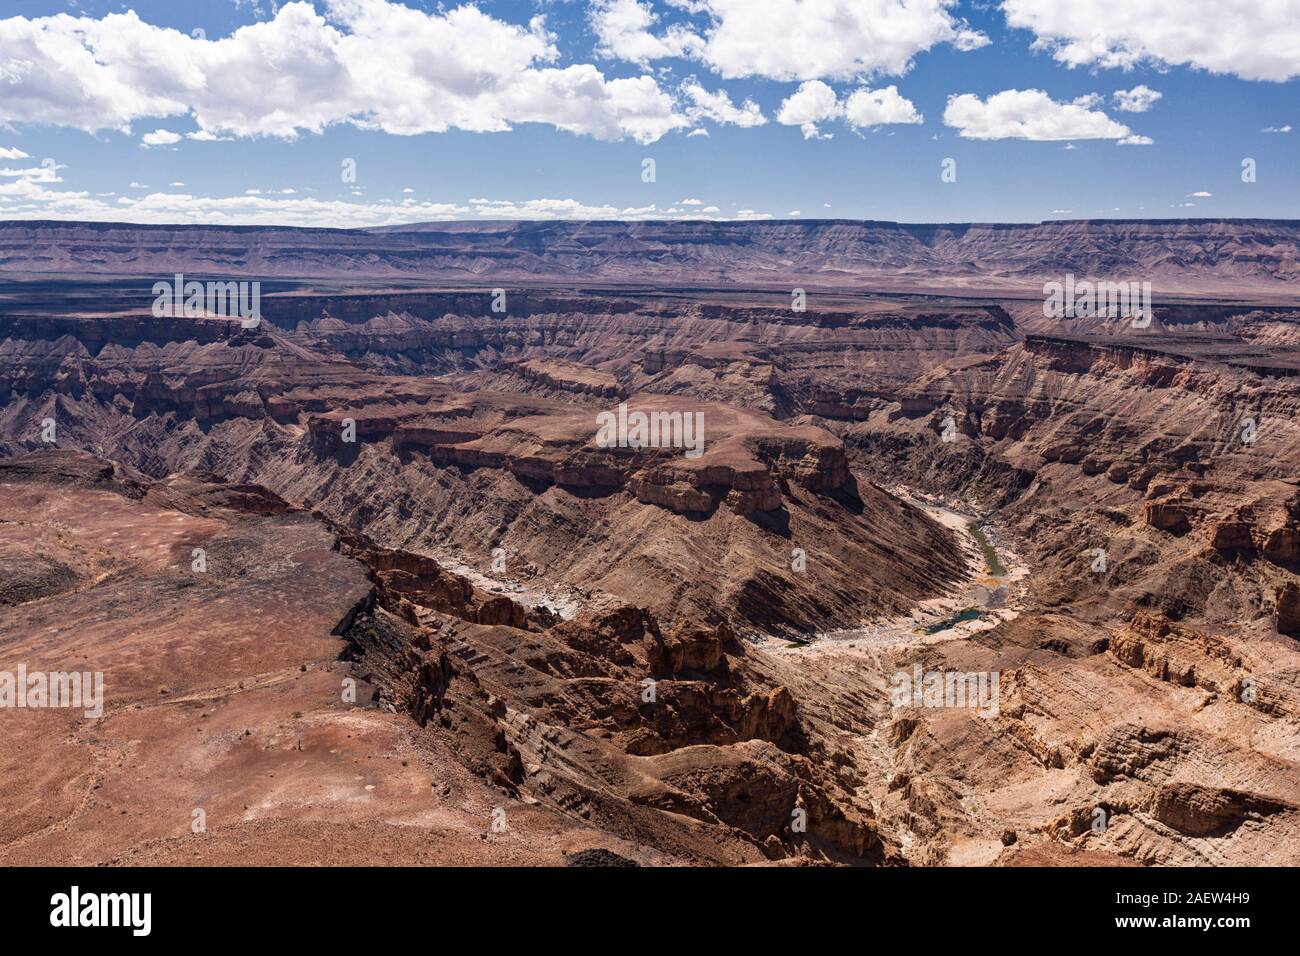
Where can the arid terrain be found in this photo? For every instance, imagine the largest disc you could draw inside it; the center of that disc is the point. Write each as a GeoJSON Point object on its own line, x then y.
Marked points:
{"type": "Point", "coordinates": [365, 587]}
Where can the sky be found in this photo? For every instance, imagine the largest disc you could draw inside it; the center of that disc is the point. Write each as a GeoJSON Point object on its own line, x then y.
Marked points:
{"type": "Point", "coordinates": [373, 112]}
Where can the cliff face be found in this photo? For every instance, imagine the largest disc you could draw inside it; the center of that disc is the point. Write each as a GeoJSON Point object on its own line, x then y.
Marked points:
{"type": "Point", "coordinates": [1195, 255]}
{"type": "Point", "coordinates": [423, 464]}
{"type": "Point", "coordinates": [301, 648]}
{"type": "Point", "coordinates": [510, 587]}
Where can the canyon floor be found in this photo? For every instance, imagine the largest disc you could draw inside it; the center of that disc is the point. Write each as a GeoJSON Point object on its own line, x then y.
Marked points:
{"type": "Point", "coordinates": [364, 587]}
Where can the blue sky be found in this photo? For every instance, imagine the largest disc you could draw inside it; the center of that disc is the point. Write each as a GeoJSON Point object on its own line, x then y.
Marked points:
{"type": "Point", "coordinates": [521, 109]}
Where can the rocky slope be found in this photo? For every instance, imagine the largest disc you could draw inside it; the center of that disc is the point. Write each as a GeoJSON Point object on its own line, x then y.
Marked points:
{"type": "Point", "coordinates": [308, 697]}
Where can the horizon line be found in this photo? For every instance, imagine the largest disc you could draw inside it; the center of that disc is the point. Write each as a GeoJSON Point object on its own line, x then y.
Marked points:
{"type": "Point", "coordinates": [419, 224]}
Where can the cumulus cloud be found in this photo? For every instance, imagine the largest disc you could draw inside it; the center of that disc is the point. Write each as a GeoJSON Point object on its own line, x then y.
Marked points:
{"type": "Point", "coordinates": [1277, 129]}
{"type": "Point", "coordinates": [1137, 100]}
{"type": "Point", "coordinates": [12, 153]}
{"type": "Point", "coordinates": [786, 39]}
{"type": "Point", "coordinates": [815, 102]}
{"type": "Point", "coordinates": [877, 107]}
{"type": "Point", "coordinates": [719, 108]}
{"type": "Point", "coordinates": [622, 28]}
{"type": "Point", "coordinates": [1033, 115]}
{"type": "Point", "coordinates": [1252, 40]}
{"type": "Point", "coordinates": [372, 63]}
{"type": "Point", "coordinates": [160, 137]}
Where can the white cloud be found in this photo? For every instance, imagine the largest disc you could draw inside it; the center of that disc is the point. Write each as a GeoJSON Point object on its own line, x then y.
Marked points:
{"type": "Point", "coordinates": [14, 153]}
{"type": "Point", "coordinates": [719, 108]}
{"type": "Point", "coordinates": [697, 132]}
{"type": "Point", "coordinates": [1277, 129]}
{"type": "Point", "coordinates": [33, 174]}
{"type": "Point", "coordinates": [876, 107]}
{"type": "Point", "coordinates": [787, 39]}
{"type": "Point", "coordinates": [160, 137]}
{"type": "Point", "coordinates": [1201, 195]}
{"type": "Point", "coordinates": [30, 198]}
{"type": "Point", "coordinates": [372, 63]}
{"type": "Point", "coordinates": [815, 102]}
{"type": "Point", "coordinates": [175, 185]}
{"type": "Point", "coordinates": [1137, 100]}
{"type": "Point", "coordinates": [690, 202]}
{"type": "Point", "coordinates": [1252, 39]}
{"type": "Point", "coordinates": [623, 30]}
{"type": "Point", "coordinates": [1033, 115]}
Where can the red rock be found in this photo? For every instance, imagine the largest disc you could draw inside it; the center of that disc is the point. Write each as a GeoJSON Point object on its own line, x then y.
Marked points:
{"type": "Point", "coordinates": [1167, 516]}
{"type": "Point", "coordinates": [1288, 610]}
{"type": "Point", "coordinates": [1231, 536]}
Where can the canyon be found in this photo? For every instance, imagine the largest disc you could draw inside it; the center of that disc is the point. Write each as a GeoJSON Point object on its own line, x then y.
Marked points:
{"type": "Point", "coordinates": [364, 587]}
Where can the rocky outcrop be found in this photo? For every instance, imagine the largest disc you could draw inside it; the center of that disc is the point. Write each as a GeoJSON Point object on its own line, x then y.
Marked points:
{"type": "Point", "coordinates": [1282, 544]}
{"type": "Point", "coordinates": [1288, 609]}
{"type": "Point", "coordinates": [1211, 811]}
{"type": "Point", "coordinates": [1175, 653]}
{"type": "Point", "coordinates": [1231, 535]}
{"type": "Point", "coordinates": [413, 673]}
{"type": "Point", "coordinates": [566, 377]}
{"type": "Point", "coordinates": [1167, 516]}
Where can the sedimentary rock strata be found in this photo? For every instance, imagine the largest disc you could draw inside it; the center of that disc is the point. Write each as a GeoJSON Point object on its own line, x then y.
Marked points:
{"type": "Point", "coordinates": [658, 651]}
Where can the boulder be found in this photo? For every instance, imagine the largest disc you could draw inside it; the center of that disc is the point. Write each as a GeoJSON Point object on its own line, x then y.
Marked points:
{"type": "Point", "coordinates": [1231, 535]}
